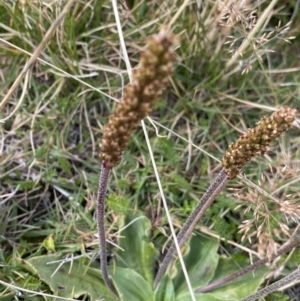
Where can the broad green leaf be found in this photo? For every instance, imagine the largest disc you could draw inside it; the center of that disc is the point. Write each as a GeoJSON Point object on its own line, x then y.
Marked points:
{"type": "Point", "coordinates": [71, 280]}
{"type": "Point", "coordinates": [138, 252]}
{"type": "Point", "coordinates": [165, 290]}
{"type": "Point", "coordinates": [242, 286]}
{"type": "Point", "coordinates": [199, 297]}
{"type": "Point", "coordinates": [130, 285]}
{"type": "Point", "coordinates": [201, 261]}
{"type": "Point", "coordinates": [235, 290]}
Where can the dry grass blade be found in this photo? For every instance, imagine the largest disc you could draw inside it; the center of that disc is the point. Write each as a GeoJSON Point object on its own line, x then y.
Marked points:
{"type": "Point", "coordinates": [36, 53]}
{"type": "Point", "coordinates": [265, 15]}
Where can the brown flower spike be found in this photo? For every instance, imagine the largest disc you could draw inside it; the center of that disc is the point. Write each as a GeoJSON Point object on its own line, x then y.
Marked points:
{"type": "Point", "coordinates": [148, 82]}
{"type": "Point", "coordinates": [257, 140]}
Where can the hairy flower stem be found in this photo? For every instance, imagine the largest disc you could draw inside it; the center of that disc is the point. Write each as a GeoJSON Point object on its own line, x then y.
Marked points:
{"type": "Point", "coordinates": [209, 196]}
{"type": "Point", "coordinates": [216, 284]}
{"type": "Point", "coordinates": [103, 181]}
{"type": "Point", "coordinates": [274, 286]}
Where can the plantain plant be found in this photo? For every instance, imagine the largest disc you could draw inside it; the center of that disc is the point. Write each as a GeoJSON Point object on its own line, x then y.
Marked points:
{"type": "Point", "coordinates": [133, 267]}
{"type": "Point", "coordinates": [147, 85]}
{"type": "Point", "coordinates": [134, 272]}
{"type": "Point", "coordinates": [212, 276]}
{"type": "Point", "coordinates": [148, 82]}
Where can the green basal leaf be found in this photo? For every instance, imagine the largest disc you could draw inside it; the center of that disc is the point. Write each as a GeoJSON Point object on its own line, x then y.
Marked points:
{"type": "Point", "coordinates": [75, 280]}
{"type": "Point", "coordinates": [138, 252]}
{"type": "Point", "coordinates": [199, 297]}
{"type": "Point", "coordinates": [130, 285]}
{"type": "Point", "coordinates": [132, 272]}
{"type": "Point", "coordinates": [235, 290]}
{"type": "Point", "coordinates": [201, 260]}
{"type": "Point", "coordinates": [165, 290]}
{"type": "Point", "coordinates": [70, 280]}
{"type": "Point", "coordinates": [242, 286]}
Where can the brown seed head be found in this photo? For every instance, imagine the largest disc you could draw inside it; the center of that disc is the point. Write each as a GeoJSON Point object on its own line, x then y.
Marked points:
{"type": "Point", "coordinates": [257, 140]}
{"type": "Point", "coordinates": [148, 82]}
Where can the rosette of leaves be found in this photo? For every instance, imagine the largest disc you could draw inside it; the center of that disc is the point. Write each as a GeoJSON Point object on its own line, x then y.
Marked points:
{"type": "Point", "coordinates": [132, 270]}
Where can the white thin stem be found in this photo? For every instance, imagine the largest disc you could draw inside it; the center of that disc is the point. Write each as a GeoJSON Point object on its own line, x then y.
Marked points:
{"type": "Point", "coordinates": [175, 243]}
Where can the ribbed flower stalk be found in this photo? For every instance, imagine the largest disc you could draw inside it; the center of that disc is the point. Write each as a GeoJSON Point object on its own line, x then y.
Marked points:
{"type": "Point", "coordinates": [147, 85]}
{"type": "Point", "coordinates": [255, 142]}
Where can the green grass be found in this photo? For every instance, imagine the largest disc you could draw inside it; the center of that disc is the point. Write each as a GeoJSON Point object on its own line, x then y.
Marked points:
{"type": "Point", "coordinates": [49, 163]}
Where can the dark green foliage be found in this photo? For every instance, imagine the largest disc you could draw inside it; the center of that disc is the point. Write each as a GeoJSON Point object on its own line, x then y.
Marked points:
{"type": "Point", "coordinates": [180, 182]}
{"type": "Point", "coordinates": [27, 185]}
{"type": "Point", "coordinates": [277, 296]}
{"type": "Point", "coordinates": [118, 204]}
{"type": "Point", "coordinates": [132, 271]}
{"type": "Point", "coordinates": [166, 149]}
{"type": "Point", "coordinates": [224, 228]}
{"type": "Point", "coordinates": [31, 283]}
{"type": "Point", "coordinates": [294, 259]}
{"type": "Point", "coordinates": [65, 165]}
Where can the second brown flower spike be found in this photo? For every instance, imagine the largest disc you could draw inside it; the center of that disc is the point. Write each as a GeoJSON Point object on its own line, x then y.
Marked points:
{"type": "Point", "coordinates": [257, 140]}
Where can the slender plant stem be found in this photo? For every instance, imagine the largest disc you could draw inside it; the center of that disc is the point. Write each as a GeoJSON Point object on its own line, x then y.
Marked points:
{"type": "Point", "coordinates": [216, 284]}
{"type": "Point", "coordinates": [104, 175]}
{"type": "Point", "coordinates": [274, 286]}
{"type": "Point", "coordinates": [209, 196]}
